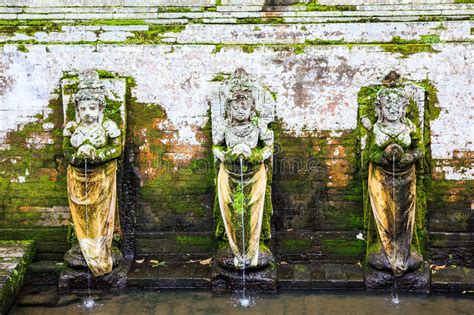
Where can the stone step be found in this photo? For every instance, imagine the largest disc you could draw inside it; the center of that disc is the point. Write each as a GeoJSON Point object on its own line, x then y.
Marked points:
{"type": "Point", "coordinates": [15, 256]}
{"type": "Point", "coordinates": [190, 275]}
{"type": "Point", "coordinates": [382, 2]}
{"type": "Point", "coordinates": [453, 279]}
{"type": "Point", "coordinates": [325, 276]}
{"type": "Point", "coordinates": [81, 3]}
{"type": "Point", "coordinates": [415, 7]}
{"type": "Point", "coordinates": [44, 272]}
{"type": "Point", "coordinates": [138, 13]}
{"type": "Point", "coordinates": [312, 34]}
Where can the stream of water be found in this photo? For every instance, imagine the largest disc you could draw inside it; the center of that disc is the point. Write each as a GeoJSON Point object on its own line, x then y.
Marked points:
{"type": "Point", "coordinates": [88, 302]}
{"type": "Point", "coordinates": [244, 302]}
{"type": "Point", "coordinates": [395, 298]}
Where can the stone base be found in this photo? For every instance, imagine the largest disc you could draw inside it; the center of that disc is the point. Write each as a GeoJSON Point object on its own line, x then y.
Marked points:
{"type": "Point", "coordinates": [256, 280]}
{"type": "Point", "coordinates": [76, 279]}
{"type": "Point", "coordinates": [418, 280]}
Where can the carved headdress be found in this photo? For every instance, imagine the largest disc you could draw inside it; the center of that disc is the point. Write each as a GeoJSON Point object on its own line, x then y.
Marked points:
{"type": "Point", "coordinates": [391, 94]}
{"type": "Point", "coordinates": [90, 88]}
{"type": "Point", "coordinates": [241, 85]}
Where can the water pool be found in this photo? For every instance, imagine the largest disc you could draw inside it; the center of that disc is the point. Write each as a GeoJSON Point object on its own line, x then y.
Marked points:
{"type": "Point", "coordinates": [289, 302]}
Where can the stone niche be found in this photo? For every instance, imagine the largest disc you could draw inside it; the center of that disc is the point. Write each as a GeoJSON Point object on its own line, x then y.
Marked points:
{"type": "Point", "coordinates": [74, 276]}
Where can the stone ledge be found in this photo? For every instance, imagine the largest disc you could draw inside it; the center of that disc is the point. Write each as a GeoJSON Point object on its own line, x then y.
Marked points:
{"type": "Point", "coordinates": [252, 34]}
{"type": "Point", "coordinates": [452, 279]}
{"type": "Point", "coordinates": [325, 276]}
{"type": "Point", "coordinates": [15, 256]}
{"type": "Point", "coordinates": [193, 275]}
{"type": "Point", "coordinates": [172, 276]}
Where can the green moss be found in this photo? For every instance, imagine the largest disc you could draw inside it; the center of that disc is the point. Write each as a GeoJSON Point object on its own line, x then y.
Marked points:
{"type": "Point", "coordinates": [300, 268]}
{"type": "Point", "coordinates": [440, 27]}
{"type": "Point", "coordinates": [22, 48]}
{"type": "Point", "coordinates": [111, 22]}
{"type": "Point", "coordinates": [14, 281]}
{"type": "Point", "coordinates": [173, 9]}
{"type": "Point", "coordinates": [245, 48]}
{"type": "Point", "coordinates": [430, 39]}
{"type": "Point", "coordinates": [204, 242]}
{"type": "Point", "coordinates": [265, 20]}
{"type": "Point", "coordinates": [297, 245]}
{"type": "Point", "coordinates": [103, 74]}
{"type": "Point", "coordinates": [220, 77]}
{"type": "Point", "coordinates": [37, 190]}
{"type": "Point", "coordinates": [349, 248]}
{"type": "Point", "coordinates": [431, 18]}
{"type": "Point", "coordinates": [298, 49]}
{"type": "Point", "coordinates": [463, 1]}
{"type": "Point", "coordinates": [410, 49]}
{"type": "Point", "coordinates": [318, 41]}
{"type": "Point", "coordinates": [314, 6]}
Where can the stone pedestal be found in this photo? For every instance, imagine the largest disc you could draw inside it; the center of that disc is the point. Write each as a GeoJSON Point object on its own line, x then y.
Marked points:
{"type": "Point", "coordinates": [256, 280]}
{"type": "Point", "coordinates": [75, 275]}
{"type": "Point", "coordinates": [76, 279]}
{"type": "Point", "coordinates": [418, 280]}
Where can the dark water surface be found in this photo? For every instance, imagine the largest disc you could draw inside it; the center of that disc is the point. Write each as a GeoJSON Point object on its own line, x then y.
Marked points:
{"type": "Point", "coordinates": [292, 303]}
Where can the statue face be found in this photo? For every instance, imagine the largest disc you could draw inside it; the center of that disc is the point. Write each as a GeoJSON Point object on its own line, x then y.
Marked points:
{"type": "Point", "coordinates": [241, 108]}
{"type": "Point", "coordinates": [89, 111]}
{"type": "Point", "coordinates": [392, 107]}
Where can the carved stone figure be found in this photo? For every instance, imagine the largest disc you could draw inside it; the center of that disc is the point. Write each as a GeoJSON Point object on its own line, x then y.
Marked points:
{"type": "Point", "coordinates": [392, 151]}
{"type": "Point", "coordinates": [92, 145]}
{"type": "Point", "coordinates": [243, 147]}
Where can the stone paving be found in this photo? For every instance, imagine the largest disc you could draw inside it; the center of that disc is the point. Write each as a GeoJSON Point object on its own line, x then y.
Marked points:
{"type": "Point", "coordinates": [15, 256]}
{"type": "Point", "coordinates": [290, 277]}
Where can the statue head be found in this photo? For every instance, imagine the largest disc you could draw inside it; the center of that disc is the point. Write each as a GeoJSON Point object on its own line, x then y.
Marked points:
{"type": "Point", "coordinates": [240, 107]}
{"type": "Point", "coordinates": [89, 100]}
{"type": "Point", "coordinates": [391, 104]}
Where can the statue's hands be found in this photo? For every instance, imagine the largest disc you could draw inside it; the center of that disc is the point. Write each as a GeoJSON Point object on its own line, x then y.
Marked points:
{"type": "Point", "coordinates": [410, 157]}
{"type": "Point", "coordinates": [407, 158]}
{"type": "Point", "coordinates": [242, 149]}
{"type": "Point", "coordinates": [393, 150]}
{"type": "Point", "coordinates": [218, 154]}
{"type": "Point", "coordinates": [86, 151]}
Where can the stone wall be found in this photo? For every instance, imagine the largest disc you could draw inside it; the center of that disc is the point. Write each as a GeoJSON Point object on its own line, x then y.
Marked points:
{"type": "Point", "coordinates": [314, 58]}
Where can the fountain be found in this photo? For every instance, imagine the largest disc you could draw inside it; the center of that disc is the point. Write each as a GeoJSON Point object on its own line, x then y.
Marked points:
{"type": "Point", "coordinates": [243, 146]}
{"type": "Point", "coordinates": [92, 145]}
{"type": "Point", "coordinates": [391, 151]}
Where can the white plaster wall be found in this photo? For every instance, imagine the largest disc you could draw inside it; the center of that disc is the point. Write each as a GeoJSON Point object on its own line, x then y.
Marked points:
{"type": "Point", "coordinates": [316, 90]}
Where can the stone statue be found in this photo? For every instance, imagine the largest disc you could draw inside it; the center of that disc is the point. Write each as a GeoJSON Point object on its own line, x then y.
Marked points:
{"type": "Point", "coordinates": [92, 145]}
{"type": "Point", "coordinates": [243, 148]}
{"type": "Point", "coordinates": [392, 152]}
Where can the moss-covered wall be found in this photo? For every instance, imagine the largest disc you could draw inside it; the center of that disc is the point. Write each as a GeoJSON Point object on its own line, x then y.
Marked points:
{"type": "Point", "coordinates": [314, 59]}
{"type": "Point", "coordinates": [317, 198]}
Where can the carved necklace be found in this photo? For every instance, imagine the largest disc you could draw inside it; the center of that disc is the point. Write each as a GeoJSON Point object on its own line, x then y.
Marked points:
{"type": "Point", "coordinates": [242, 131]}
{"type": "Point", "coordinates": [392, 131]}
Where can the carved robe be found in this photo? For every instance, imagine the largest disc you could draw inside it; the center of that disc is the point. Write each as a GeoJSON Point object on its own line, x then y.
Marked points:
{"type": "Point", "coordinates": [92, 195]}
{"type": "Point", "coordinates": [243, 190]}
{"type": "Point", "coordinates": [392, 193]}
{"type": "Point", "coordinates": [92, 198]}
